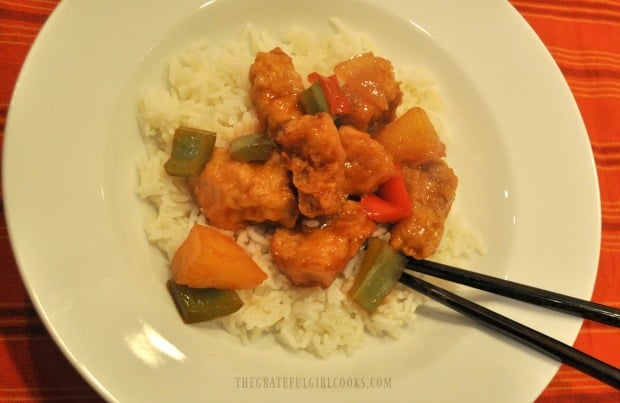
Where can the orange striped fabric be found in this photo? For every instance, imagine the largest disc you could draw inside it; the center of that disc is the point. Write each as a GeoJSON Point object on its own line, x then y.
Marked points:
{"type": "Point", "coordinates": [583, 36]}
{"type": "Point", "coordinates": [584, 39]}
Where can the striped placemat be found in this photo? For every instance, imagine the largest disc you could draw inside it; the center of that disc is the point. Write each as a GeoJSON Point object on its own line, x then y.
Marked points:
{"type": "Point", "coordinates": [583, 37]}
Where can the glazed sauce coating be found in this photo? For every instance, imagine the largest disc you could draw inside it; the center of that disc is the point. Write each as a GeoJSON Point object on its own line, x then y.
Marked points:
{"type": "Point", "coordinates": [367, 164]}
{"type": "Point", "coordinates": [371, 89]}
{"type": "Point", "coordinates": [232, 193]}
{"type": "Point", "coordinates": [275, 89]}
{"type": "Point", "coordinates": [432, 187]}
{"type": "Point", "coordinates": [317, 257]}
{"type": "Point", "coordinates": [323, 164]}
{"type": "Point", "coordinates": [312, 151]}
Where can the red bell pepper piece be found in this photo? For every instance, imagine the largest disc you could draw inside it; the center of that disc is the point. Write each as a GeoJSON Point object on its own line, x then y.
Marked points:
{"type": "Point", "coordinates": [338, 103]}
{"type": "Point", "coordinates": [391, 203]}
{"type": "Point", "coordinates": [395, 192]}
{"type": "Point", "coordinates": [379, 210]}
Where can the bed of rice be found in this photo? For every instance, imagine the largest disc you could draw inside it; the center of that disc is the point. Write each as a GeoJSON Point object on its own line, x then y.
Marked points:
{"type": "Point", "coordinates": [208, 89]}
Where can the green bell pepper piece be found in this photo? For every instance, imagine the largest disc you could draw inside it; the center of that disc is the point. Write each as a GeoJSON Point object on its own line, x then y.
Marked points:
{"type": "Point", "coordinates": [379, 271]}
{"type": "Point", "coordinates": [313, 99]}
{"type": "Point", "coordinates": [251, 147]}
{"type": "Point", "coordinates": [191, 149]}
{"type": "Point", "coordinates": [203, 304]}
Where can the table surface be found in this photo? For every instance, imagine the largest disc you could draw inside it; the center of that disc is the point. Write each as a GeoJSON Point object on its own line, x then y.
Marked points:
{"type": "Point", "coordinates": [584, 39]}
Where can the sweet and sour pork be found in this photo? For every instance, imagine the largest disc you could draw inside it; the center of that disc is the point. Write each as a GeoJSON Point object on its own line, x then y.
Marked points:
{"type": "Point", "coordinates": [432, 187]}
{"type": "Point", "coordinates": [312, 151]}
{"type": "Point", "coordinates": [233, 193]}
{"type": "Point", "coordinates": [371, 89]}
{"type": "Point", "coordinates": [324, 164]}
{"type": "Point", "coordinates": [316, 257]}
{"type": "Point", "coordinates": [275, 89]}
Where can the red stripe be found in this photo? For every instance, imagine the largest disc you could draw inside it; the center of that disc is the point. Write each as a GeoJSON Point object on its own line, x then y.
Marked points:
{"type": "Point", "coordinates": [22, 16]}
{"type": "Point", "coordinates": [590, 73]}
{"type": "Point", "coordinates": [24, 329]}
{"type": "Point", "coordinates": [606, 148]}
{"type": "Point", "coordinates": [598, 5]}
{"type": "Point", "coordinates": [579, 16]}
{"type": "Point", "coordinates": [607, 162]}
{"type": "Point", "coordinates": [26, 311]}
{"type": "Point", "coordinates": [574, 10]}
{"type": "Point", "coordinates": [41, 7]}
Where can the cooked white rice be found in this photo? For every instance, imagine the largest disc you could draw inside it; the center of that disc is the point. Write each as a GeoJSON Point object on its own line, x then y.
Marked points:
{"type": "Point", "coordinates": [208, 89]}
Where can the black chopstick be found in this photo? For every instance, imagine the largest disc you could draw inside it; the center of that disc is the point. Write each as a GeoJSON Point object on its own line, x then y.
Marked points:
{"type": "Point", "coordinates": [532, 338]}
{"type": "Point", "coordinates": [575, 306]}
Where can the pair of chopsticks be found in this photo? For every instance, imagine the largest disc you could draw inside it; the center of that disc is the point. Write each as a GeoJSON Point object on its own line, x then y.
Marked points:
{"type": "Point", "coordinates": [532, 338]}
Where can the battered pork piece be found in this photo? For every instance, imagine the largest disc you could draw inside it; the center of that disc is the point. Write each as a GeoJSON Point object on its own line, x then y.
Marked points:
{"type": "Point", "coordinates": [275, 89]}
{"type": "Point", "coordinates": [312, 151]}
{"type": "Point", "coordinates": [371, 89]}
{"type": "Point", "coordinates": [233, 193]}
{"type": "Point", "coordinates": [432, 187]}
{"type": "Point", "coordinates": [317, 257]}
{"type": "Point", "coordinates": [368, 165]}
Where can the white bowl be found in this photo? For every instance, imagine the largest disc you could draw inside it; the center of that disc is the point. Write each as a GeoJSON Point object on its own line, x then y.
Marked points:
{"type": "Point", "coordinates": [527, 183]}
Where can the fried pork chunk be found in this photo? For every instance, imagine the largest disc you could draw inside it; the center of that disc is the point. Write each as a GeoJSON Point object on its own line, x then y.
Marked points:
{"type": "Point", "coordinates": [317, 257]}
{"type": "Point", "coordinates": [232, 193]}
{"type": "Point", "coordinates": [371, 89]}
{"type": "Point", "coordinates": [432, 187]}
{"type": "Point", "coordinates": [275, 89]}
{"type": "Point", "coordinates": [312, 151]}
{"type": "Point", "coordinates": [367, 165]}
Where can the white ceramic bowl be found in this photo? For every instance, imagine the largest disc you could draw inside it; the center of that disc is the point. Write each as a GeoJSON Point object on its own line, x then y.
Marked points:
{"type": "Point", "coordinates": [527, 183]}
